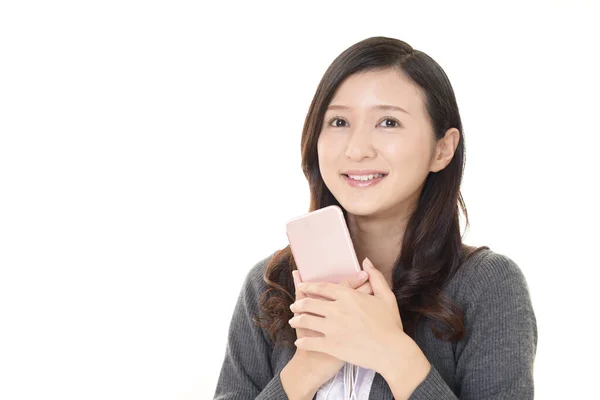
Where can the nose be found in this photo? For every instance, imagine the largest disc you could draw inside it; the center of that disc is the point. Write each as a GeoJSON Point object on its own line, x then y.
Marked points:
{"type": "Point", "coordinates": [360, 145]}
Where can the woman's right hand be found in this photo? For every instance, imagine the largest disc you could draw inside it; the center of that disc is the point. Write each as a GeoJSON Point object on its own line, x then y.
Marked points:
{"type": "Point", "coordinates": [317, 367]}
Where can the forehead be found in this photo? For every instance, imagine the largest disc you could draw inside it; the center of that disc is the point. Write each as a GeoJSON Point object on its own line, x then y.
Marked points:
{"type": "Point", "coordinates": [363, 90]}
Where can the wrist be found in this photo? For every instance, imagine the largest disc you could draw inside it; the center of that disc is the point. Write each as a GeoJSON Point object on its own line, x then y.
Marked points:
{"type": "Point", "coordinates": [296, 379]}
{"type": "Point", "coordinates": [392, 357]}
{"type": "Point", "coordinates": [406, 366]}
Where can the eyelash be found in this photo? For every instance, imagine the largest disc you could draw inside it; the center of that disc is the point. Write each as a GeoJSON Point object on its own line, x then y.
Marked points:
{"type": "Point", "coordinates": [398, 124]}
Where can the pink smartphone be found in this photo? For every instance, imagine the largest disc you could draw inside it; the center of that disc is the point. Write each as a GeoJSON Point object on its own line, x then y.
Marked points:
{"type": "Point", "coordinates": [322, 247]}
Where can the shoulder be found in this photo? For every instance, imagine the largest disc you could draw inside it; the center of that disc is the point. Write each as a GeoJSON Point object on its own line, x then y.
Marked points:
{"type": "Point", "coordinates": [486, 273]}
{"type": "Point", "coordinates": [491, 290]}
{"type": "Point", "coordinates": [489, 267]}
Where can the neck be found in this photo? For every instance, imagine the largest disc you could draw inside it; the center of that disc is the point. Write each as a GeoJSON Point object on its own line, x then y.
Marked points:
{"type": "Point", "coordinates": [379, 238]}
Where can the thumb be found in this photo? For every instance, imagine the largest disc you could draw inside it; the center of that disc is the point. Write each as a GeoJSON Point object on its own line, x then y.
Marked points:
{"type": "Point", "coordinates": [378, 282]}
{"type": "Point", "coordinates": [297, 280]}
{"type": "Point", "coordinates": [356, 281]}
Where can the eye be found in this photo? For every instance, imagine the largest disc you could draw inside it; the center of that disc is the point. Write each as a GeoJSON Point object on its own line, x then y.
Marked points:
{"type": "Point", "coordinates": [338, 121]}
{"type": "Point", "coordinates": [391, 122]}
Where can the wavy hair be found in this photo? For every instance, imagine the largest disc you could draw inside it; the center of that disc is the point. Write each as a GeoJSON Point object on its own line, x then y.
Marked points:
{"type": "Point", "coordinates": [432, 248]}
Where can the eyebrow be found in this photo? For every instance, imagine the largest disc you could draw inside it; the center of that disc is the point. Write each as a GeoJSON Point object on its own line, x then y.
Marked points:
{"type": "Point", "coordinates": [377, 107]}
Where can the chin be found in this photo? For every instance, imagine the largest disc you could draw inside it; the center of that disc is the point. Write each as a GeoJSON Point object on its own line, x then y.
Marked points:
{"type": "Point", "coordinates": [360, 208]}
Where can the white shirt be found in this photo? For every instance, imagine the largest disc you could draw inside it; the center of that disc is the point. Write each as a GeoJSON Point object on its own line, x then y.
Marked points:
{"type": "Point", "coordinates": [335, 389]}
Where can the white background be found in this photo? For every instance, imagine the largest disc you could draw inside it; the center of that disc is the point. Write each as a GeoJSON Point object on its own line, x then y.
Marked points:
{"type": "Point", "coordinates": [149, 157]}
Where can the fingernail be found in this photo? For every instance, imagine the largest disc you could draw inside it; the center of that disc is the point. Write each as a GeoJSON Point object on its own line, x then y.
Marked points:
{"type": "Point", "coordinates": [362, 275]}
{"type": "Point", "coordinates": [301, 285]}
{"type": "Point", "coordinates": [368, 262]}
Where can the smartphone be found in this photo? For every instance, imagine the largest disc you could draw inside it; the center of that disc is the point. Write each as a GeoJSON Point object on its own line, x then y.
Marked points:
{"type": "Point", "coordinates": [322, 247]}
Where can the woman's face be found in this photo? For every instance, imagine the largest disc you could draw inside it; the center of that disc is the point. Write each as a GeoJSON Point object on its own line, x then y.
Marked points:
{"type": "Point", "coordinates": [376, 145]}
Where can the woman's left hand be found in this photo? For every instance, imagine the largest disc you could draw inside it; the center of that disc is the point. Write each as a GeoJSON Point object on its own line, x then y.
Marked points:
{"type": "Point", "coordinates": [359, 328]}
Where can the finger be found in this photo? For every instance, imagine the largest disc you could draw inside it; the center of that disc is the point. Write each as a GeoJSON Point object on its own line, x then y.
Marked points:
{"type": "Point", "coordinates": [328, 290]}
{"type": "Point", "coordinates": [365, 288]}
{"type": "Point", "coordinates": [377, 280]}
{"type": "Point", "coordinates": [297, 280]}
{"type": "Point", "coordinates": [305, 321]}
{"type": "Point", "coordinates": [296, 277]}
{"type": "Point", "coordinates": [307, 333]}
{"type": "Point", "coordinates": [319, 344]}
{"type": "Point", "coordinates": [312, 306]}
{"type": "Point", "coordinates": [356, 280]}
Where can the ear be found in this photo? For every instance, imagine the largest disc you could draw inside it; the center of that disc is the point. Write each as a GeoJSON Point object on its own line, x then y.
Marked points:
{"type": "Point", "coordinates": [444, 150]}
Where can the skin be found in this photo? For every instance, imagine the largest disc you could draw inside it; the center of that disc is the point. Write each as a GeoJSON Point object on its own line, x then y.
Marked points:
{"type": "Point", "coordinates": [399, 143]}
{"type": "Point", "coordinates": [362, 328]}
{"type": "Point", "coordinates": [315, 367]}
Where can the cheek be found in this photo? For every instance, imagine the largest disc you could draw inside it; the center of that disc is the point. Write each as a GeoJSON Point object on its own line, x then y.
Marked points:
{"type": "Point", "coordinates": [326, 151]}
{"type": "Point", "coordinates": [321, 149]}
{"type": "Point", "coordinates": [408, 156]}
{"type": "Point", "coordinates": [322, 156]}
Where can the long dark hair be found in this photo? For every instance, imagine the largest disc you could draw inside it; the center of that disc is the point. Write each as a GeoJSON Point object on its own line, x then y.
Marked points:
{"type": "Point", "coordinates": [432, 248]}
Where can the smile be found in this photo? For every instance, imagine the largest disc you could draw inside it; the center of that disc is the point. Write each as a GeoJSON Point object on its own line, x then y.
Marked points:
{"type": "Point", "coordinates": [365, 177]}
{"type": "Point", "coordinates": [364, 180]}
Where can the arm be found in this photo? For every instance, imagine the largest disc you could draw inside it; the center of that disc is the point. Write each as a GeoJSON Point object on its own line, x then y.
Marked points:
{"type": "Point", "coordinates": [495, 358]}
{"type": "Point", "coordinates": [246, 371]}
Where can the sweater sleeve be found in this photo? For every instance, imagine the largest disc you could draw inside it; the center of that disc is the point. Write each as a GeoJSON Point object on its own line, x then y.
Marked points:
{"type": "Point", "coordinates": [495, 358]}
{"type": "Point", "coordinates": [246, 371]}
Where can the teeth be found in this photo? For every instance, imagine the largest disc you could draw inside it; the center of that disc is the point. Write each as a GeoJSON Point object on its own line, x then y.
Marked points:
{"type": "Point", "coordinates": [364, 177]}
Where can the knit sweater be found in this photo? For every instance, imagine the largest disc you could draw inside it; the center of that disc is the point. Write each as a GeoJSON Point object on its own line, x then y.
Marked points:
{"type": "Point", "coordinates": [494, 360]}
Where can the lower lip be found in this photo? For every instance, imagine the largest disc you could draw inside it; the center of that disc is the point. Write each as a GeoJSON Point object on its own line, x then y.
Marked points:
{"type": "Point", "coordinates": [362, 184]}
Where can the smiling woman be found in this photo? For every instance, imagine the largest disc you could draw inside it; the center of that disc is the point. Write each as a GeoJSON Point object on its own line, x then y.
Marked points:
{"type": "Point", "coordinates": [365, 143]}
{"type": "Point", "coordinates": [436, 318]}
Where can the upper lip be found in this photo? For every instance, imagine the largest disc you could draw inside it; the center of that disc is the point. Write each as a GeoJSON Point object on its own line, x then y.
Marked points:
{"type": "Point", "coordinates": [363, 172]}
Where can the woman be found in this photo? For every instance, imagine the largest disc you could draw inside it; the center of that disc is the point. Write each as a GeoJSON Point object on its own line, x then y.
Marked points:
{"type": "Point", "coordinates": [433, 318]}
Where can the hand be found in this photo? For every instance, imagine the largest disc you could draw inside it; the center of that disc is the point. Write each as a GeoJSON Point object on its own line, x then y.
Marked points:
{"type": "Point", "coordinates": [360, 329]}
{"type": "Point", "coordinates": [320, 366]}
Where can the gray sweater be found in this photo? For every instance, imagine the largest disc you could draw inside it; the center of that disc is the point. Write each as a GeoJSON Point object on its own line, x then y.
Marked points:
{"type": "Point", "coordinates": [493, 361]}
